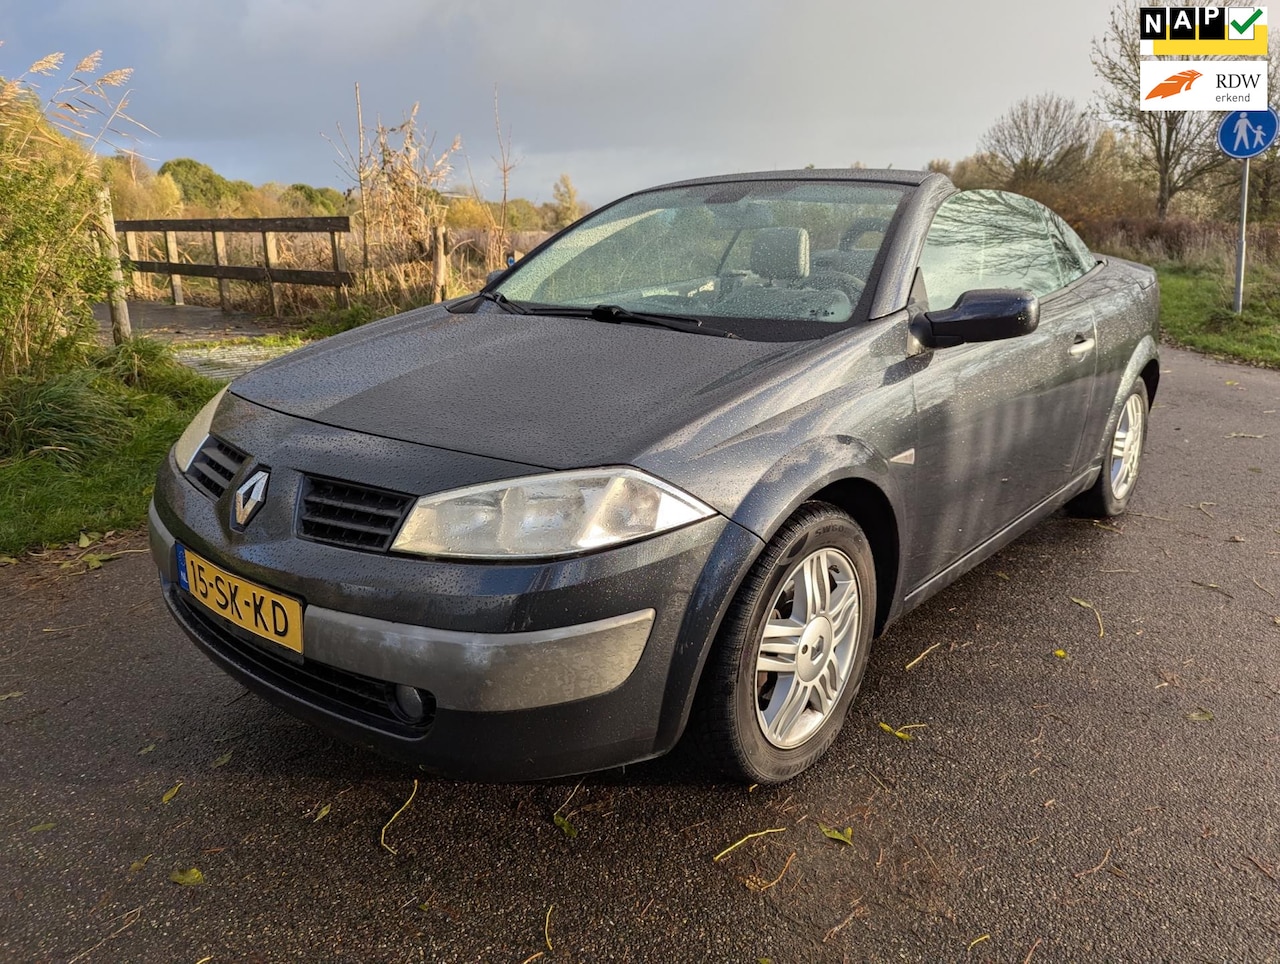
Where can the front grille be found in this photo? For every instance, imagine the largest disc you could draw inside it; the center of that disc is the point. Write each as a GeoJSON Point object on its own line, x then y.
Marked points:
{"type": "Point", "coordinates": [215, 465]}
{"type": "Point", "coordinates": [351, 516]}
{"type": "Point", "coordinates": [361, 698]}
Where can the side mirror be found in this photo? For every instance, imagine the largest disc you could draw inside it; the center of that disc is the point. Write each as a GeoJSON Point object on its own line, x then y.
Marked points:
{"type": "Point", "coordinates": [493, 276]}
{"type": "Point", "coordinates": [984, 314]}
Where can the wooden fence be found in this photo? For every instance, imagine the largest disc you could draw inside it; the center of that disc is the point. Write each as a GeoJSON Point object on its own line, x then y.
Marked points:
{"type": "Point", "coordinates": [270, 273]}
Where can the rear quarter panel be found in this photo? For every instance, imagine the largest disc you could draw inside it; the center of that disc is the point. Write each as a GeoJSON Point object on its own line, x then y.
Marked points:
{"type": "Point", "coordinates": [1125, 297]}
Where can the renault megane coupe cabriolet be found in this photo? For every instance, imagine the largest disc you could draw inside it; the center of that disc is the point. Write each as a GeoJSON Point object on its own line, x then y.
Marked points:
{"type": "Point", "coordinates": [673, 471]}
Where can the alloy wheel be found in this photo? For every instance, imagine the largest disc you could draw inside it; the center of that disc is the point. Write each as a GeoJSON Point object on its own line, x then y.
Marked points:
{"type": "Point", "coordinates": [807, 647]}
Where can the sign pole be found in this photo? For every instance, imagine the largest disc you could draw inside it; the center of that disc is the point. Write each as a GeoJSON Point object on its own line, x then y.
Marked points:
{"type": "Point", "coordinates": [1244, 134]}
{"type": "Point", "coordinates": [1244, 213]}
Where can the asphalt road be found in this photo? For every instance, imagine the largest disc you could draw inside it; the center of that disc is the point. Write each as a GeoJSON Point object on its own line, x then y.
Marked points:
{"type": "Point", "coordinates": [1122, 803]}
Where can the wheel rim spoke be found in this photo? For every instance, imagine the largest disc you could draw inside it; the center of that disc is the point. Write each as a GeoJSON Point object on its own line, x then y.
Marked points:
{"type": "Point", "coordinates": [777, 656]}
{"type": "Point", "coordinates": [816, 587]}
{"type": "Point", "coordinates": [845, 607]}
{"type": "Point", "coordinates": [825, 689]}
{"type": "Point", "coordinates": [783, 629]}
{"type": "Point", "coordinates": [789, 711]}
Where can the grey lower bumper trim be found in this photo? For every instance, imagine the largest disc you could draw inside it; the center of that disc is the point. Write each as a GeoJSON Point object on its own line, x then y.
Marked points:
{"type": "Point", "coordinates": [483, 671]}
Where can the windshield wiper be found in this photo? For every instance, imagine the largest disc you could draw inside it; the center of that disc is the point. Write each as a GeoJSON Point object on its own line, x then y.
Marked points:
{"type": "Point", "coordinates": [497, 298]}
{"type": "Point", "coordinates": [616, 314]}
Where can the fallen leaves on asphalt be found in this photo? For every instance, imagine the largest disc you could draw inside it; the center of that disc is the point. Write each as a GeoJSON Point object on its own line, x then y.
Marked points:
{"type": "Point", "coordinates": [403, 807]}
{"type": "Point", "coordinates": [42, 827]}
{"type": "Point", "coordinates": [171, 792]}
{"type": "Point", "coordinates": [222, 760]}
{"type": "Point", "coordinates": [187, 878]}
{"type": "Point", "coordinates": [751, 836]}
{"type": "Point", "coordinates": [902, 732]}
{"type": "Point", "coordinates": [1200, 715]}
{"type": "Point", "coordinates": [845, 836]}
{"type": "Point", "coordinates": [1088, 605]}
{"type": "Point", "coordinates": [15, 695]}
{"type": "Point", "coordinates": [915, 662]}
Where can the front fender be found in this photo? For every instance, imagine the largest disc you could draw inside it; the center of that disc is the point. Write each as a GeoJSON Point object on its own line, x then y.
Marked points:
{"type": "Point", "coordinates": [808, 470]}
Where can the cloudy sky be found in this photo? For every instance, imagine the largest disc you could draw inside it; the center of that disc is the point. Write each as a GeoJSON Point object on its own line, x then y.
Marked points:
{"type": "Point", "coordinates": [618, 95]}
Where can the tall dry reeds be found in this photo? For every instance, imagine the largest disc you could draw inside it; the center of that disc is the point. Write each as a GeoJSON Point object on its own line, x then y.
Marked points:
{"type": "Point", "coordinates": [399, 178]}
{"type": "Point", "coordinates": [54, 266]}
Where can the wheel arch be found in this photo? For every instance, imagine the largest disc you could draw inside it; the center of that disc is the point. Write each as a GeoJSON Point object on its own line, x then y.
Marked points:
{"type": "Point", "coordinates": [868, 506]}
{"type": "Point", "coordinates": [859, 487]}
{"type": "Point", "coordinates": [1151, 375]}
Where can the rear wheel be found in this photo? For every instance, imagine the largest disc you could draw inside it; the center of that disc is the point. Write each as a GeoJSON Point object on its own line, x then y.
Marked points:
{"type": "Point", "coordinates": [790, 656]}
{"type": "Point", "coordinates": [1111, 492]}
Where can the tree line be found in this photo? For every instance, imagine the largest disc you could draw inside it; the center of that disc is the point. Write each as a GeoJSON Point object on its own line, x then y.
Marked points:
{"type": "Point", "coordinates": [1108, 160]}
{"type": "Point", "coordinates": [185, 187]}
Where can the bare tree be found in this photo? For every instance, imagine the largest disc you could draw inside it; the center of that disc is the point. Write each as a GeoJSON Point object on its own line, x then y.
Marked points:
{"type": "Point", "coordinates": [1043, 139]}
{"type": "Point", "coordinates": [505, 164]}
{"type": "Point", "coordinates": [1177, 147]}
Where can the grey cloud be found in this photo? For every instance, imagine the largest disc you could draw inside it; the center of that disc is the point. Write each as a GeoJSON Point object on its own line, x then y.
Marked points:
{"type": "Point", "coordinates": [616, 95]}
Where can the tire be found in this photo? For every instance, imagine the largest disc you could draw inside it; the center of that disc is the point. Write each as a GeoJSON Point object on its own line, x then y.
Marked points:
{"type": "Point", "coordinates": [1126, 438]}
{"type": "Point", "coordinates": [749, 722]}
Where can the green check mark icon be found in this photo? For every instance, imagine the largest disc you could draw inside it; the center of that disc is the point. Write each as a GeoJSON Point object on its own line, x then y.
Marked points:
{"type": "Point", "coordinates": [1242, 27]}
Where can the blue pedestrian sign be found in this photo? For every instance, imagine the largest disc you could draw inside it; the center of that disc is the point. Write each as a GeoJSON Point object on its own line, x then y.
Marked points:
{"type": "Point", "coordinates": [1246, 133]}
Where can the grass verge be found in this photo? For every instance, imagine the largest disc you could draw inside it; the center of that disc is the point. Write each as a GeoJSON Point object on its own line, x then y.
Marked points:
{"type": "Point", "coordinates": [1195, 312]}
{"type": "Point", "coordinates": [64, 475]}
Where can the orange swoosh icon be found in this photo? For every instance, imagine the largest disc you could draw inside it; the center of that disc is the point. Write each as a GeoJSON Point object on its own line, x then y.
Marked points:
{"type": "Point", "coordinates": [1175, 84]}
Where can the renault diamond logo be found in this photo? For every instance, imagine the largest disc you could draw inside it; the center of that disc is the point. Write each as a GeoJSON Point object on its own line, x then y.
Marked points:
{"type": "Point", "coordinates": [249, 498]}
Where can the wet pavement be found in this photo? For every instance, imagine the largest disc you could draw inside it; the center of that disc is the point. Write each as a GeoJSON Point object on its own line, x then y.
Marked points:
{"type": "Point", "coordinates": [1121, 802]}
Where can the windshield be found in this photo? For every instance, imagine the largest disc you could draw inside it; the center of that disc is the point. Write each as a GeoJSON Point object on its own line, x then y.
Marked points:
{"type": "Point", "coordinates": [782, 259]}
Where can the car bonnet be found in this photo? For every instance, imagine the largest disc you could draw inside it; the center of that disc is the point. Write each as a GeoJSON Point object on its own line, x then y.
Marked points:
{"type": "Point", "coordinates": [545, 391]}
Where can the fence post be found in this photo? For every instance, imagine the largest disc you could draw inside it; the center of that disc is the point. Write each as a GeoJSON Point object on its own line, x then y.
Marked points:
{"type": "Point", "coordinates": [120, 327]}
{"type": "Point", "coordinates": [171, 255]}
{"type": "Point", "coordinates": [219, 259]}
{"type": "Point", "coordinates": [136, 279]}
{"type": "Point", "coordinates": [438, 264]}
{"type": "Point", "coordinates": [339, 264]}
{"type": "Point", "coordinates": [270, 257]}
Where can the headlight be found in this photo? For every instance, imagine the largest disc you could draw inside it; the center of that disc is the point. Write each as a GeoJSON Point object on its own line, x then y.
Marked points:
{"type": "Point", "coordinates": [561, 514]}
{"type": "Point", "coordinates": [191, 440]}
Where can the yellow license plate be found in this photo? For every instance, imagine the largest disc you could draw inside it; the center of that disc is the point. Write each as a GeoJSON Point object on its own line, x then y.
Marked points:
{"type": "Point", "coordinates": [251, 607]}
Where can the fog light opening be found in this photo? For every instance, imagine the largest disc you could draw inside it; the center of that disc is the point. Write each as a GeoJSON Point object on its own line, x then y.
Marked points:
{"type": "Point", "coordinates": [412, 704]}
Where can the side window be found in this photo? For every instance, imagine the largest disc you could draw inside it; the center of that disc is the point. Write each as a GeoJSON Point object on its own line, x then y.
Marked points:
{"type": "Point", "coordinates": [1074, 256]}
{"type": "Point", "coordinates": [988, 239]}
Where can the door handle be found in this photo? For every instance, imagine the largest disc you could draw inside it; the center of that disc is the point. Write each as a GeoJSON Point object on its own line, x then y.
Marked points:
{"type": "Point", "coordinates": [1082, 346]}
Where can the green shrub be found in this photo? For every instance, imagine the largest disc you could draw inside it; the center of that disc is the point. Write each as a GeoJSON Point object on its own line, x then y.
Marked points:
{"type": "Point", "coordinates": [65, 417]}
{"type": "Point", "coordinates": [149, 365]}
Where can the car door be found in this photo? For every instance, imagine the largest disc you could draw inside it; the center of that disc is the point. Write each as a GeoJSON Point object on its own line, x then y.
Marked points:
{"type": "Point", "coordinates": [1000, 422]}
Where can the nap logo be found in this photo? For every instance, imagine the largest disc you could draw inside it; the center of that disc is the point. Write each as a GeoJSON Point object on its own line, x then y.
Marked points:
{"type": "Point", "coordinates": [1203, 31]}
{"type": "Point", "coordinates": [1203, 85]}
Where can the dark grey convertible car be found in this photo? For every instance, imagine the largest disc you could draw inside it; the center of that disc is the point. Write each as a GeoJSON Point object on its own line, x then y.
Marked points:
{"type": "Point", "coordinates": [673, 471]}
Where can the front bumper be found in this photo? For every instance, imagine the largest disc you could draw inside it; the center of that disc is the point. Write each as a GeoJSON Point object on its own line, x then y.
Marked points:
{"type": "Point", "coordinates": [530, 671]}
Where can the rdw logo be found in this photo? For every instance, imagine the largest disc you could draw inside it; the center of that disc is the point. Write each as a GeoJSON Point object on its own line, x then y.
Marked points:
{"type": "Point", "coordinates": [1177, 84]}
